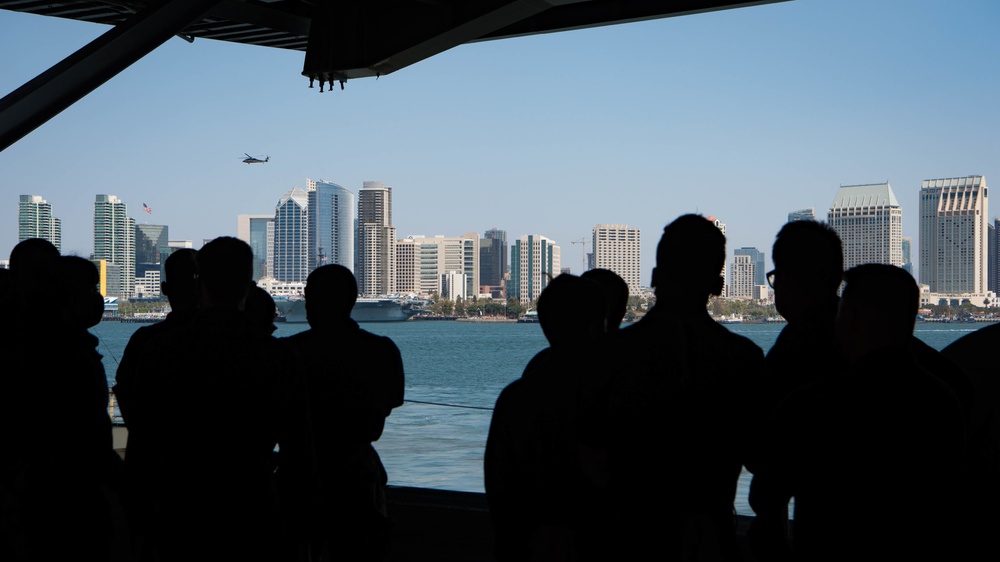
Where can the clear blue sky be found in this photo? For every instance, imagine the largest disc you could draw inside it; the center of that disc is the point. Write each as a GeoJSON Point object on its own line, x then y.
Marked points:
{"type": "Point", "coordinates": [745, 115]}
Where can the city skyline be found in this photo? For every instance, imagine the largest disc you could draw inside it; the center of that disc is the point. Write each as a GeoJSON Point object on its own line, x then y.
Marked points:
{"type": "Point", "coordinates": [746, 114]}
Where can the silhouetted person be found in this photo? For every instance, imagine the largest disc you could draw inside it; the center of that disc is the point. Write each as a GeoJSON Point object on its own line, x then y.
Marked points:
{"type": "Point", "coordinates": [213, 400]}
{"type": "Point", "coordinates": [261, 310]}
{"type": "Point", "coordinates": [808, 270]}
{"type": "Point", "coordinates": [180, 287]}
{"type": "Point", "coordinates": [685, 386]}
{"type": "Point", "coordinates": [616, 294]}
{"type": "Point", "coordinates": [55, 425]}
{"type": "Point", "coordinates": [539, 453]}
{"type": "Point", "coordinates": [871, 456]}
{"type": "Point", "coordinates": [976, 354]}
{"type": "Point", "coordinates": [355, 379]}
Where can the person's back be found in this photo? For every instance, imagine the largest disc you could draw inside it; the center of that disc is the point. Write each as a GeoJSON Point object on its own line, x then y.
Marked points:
{"type": "Point", "coordinates": [355, 379]}
{"type": "Point", "coordinates": [885, 436]}
{"type": "Point", "coordinates": [214, 399]}
{"type": "Point", "coordinates": [686, 384]}
{"type": "Point", "coordinates": [538, 453]}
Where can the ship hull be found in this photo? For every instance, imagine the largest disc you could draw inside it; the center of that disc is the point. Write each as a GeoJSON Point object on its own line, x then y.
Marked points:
{"type": "Point", "coordinates": [374, 310]}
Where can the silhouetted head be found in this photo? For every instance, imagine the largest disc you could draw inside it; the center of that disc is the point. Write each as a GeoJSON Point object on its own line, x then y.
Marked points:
{"type": "Point", "coordinates": [808, 268]}
{"type": "Point", "coordinates": [225, 272]}
{"type": "Point", "coordinates": [571, 311]}
{"type": "Point", "coordinates": [878, 308]}
{"type": "Point", "coordinates": [331, 292]}
{"type": "Point", "coordinates": [615, 294]}
{"type": "Point", "coordinates": [689, 259]}
{"type": "Point", "coordinates": [180, 284]}
{"type": "Point", "coordinates": [81, 304]}
{"type": "Point", "coordinates": [260, 311]}
{"type": "Point", "coordinates": [32, 261]}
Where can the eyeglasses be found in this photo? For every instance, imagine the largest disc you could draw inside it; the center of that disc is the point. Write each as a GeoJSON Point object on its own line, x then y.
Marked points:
{"type": "Point", "coordinates": [770, 277]}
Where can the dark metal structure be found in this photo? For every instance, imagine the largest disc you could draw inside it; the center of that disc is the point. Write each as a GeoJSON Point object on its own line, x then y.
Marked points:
{"type": "Point", "coordinates": [342, 39]}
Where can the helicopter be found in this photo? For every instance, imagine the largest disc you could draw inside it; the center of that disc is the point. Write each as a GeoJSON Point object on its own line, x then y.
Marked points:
{"type": "Point", "coordinates": [252, 160]}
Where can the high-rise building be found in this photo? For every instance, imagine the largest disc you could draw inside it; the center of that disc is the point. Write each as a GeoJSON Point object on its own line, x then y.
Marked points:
{"type": "Point", "coordinates": [375, 254]}
{"type": "Point", "coordinates": [114, 241]}
{"type": "Point", "coordinates": [742, 277]}
{"type": "Point", "coordinates": [907, 244]}
{"type": "Point", "coordinates": [422, 261]}
{"type": "Point", "coordinates": [534, 261]}
{"type": "Point", "coordinates": [331, 224]}
{"type": "Point", "coordinates": [291, 237]}
{"type": "Point", "coordinates": [722, 226]}
{"type": "Point", "coordinates": [492, 257]}
{"type": "Point", "coordinates": [616, 247]}
{"type": "Point", "coordinates": [35, 220]}
{"type": "Point", "coordinates": [151, 250]}
{"type": "Point", "coordinates": [757, 257]}
{"type": "Point", "coordinates": [954, 235]}
{"type": "Point", "coordinates": [258, 232]}
{"type": "Point", "coordinates": [994, 243]}
{"type": "Point", "coordinates": [802, 215]}
{"type": "Point", "coordinates": [869, 220]}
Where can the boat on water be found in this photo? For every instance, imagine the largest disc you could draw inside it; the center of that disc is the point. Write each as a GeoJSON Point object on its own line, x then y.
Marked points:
{"type": "Point", "coordinates": [365, 310]}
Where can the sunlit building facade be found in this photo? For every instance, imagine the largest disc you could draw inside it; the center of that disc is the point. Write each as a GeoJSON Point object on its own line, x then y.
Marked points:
{"type": "Point", "coordinates": [114, 242]}
{"type": "Point", "coordinates": [534, 261]}
{"type": "Point", "coordinates": [869, 220]}
{"type": "Point", "coordinates": [375, 252]}
{"type": "Point", "coordinates": [35, 220]}
{"type": "Point", "coordinates": [331, 224]}
{"type": "Point", "coordinates": [258, 232]}
{"type": "Point", "coordinates": [617, 248]}
{"type": "Point", "coordinates": [954, 235]}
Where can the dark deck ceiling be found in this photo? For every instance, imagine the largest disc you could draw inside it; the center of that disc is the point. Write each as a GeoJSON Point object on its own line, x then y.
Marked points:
{"type": "Point", "coordinates": [371, 37]}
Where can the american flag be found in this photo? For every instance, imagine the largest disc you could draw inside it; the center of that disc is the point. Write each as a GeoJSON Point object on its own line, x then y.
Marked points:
{"type": "Point", "coordinates": [147, 208]}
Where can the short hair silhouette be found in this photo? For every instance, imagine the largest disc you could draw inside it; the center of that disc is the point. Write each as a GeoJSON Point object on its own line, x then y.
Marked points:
{"type": "Point", "coordinates": [331, 292]}
{"type": "Point", "coordinates": [77, 291]}
{"type": "Point", "coordinates": [180, 279]}
{"type": "Point", "coordinates": [569, 308]}
{"type": "Point", "coordinates": [30, 252]}
{"type": "Point", "coordinates": [615, 292]}
{"type": "Point", "coordinates": [691, 255]}
{"type": "Point", "coordinates": [225, 270]}
{"type": "Point", "coordinates": [260, 310]}
{"type": "Point", "coordinates": [813, 247]}
{"type": "Point", "coordinates": [887, 289]}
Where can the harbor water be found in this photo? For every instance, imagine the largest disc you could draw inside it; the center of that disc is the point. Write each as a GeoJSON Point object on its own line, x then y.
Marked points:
{"type": "Point", "coordinates": [454, 373]}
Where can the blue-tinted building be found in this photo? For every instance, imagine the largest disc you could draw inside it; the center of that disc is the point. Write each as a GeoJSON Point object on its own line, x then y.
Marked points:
{"type": "Point", "coordinates": [291, 237]}
{"type": "Point", "coordinates": [332, 210]}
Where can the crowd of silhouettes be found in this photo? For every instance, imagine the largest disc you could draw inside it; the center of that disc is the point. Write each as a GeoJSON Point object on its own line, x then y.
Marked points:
{"type": "Point", "coordinates": [614, 444]}
{"type": "Point", "coordinates": [241, 446]}
{"type": "Point", "coordinates": [628, 444]}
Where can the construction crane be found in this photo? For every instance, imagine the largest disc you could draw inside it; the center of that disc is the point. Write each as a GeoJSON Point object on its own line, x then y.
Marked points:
{"type": "Point", "coordinates": [583, 253]}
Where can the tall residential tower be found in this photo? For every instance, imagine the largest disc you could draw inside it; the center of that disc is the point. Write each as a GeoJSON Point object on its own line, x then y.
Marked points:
{"type": "Point", "coordinates": [291, 237]}
{"type": "Point", "coordinates": [375, 254]}
{"type": "Point", "coordinates": [114, 240]}
{"type": "Point", "coordinates": [35, 220]}
{"type": "Point", "coordinates": [534, 261]}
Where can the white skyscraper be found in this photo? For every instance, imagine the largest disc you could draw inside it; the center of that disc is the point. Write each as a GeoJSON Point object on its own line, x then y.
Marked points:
{"type": "Point", "coordinates": [954, 235]}
{"type": "Point", "coordinates": [616, 247]}
{"type": "Point", "coordinates": [35, 220]}
{"type": "Point", "coordinates": [743, 277]}
{"type": "Point", "coordinates": [375, 255]}
{"type": "Point", "coordinates": [721, 226]}
{"type": "Point", "coordinates": [114, 240]}
{"type": "Point", "coordinates": [534, 261]}
{"type": "Point", "coordinates": [869, 220]}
